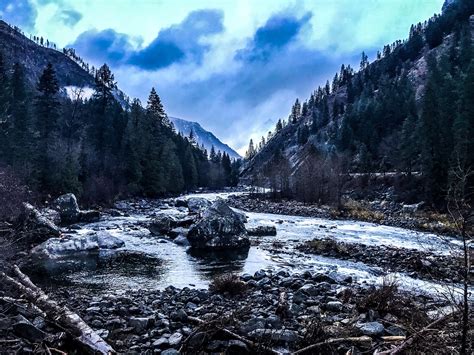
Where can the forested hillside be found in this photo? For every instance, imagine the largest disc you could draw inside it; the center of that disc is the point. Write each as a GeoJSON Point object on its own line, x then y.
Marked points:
{"type": "Point", "coordinates": [409, 111]}
{"type": "Point", "coordinates": [97, 147]}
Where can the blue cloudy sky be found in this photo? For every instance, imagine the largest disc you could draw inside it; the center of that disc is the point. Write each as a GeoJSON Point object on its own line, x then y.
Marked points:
{"type": "Point", "coordinates": [235, 66]}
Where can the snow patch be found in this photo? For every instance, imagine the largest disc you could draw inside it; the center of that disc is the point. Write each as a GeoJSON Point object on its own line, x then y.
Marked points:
{"type": "Point", "coordinates": [76, 92]}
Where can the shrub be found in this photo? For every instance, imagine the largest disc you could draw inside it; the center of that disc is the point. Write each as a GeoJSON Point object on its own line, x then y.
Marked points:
{"type": "Point", "coordinates": [228, 283]}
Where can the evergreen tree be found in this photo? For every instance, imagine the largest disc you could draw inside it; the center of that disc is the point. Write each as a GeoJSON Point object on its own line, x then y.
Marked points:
{"type": "Point", "coordinates": [155, 109]}
{"type": "Point", "coordinates": [47, 115]}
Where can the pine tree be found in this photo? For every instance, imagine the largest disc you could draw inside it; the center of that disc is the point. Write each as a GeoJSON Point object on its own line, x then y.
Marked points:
{"type": "Point", "coordinates": [250, 151]}
{"type": "Point", "coordinates": [47, 115]}
{"type": "Point", "coordinates": [155, 109]}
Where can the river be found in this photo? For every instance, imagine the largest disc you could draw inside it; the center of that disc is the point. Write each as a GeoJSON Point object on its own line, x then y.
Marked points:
{"type": "Point", "coordinates": [159, 262]}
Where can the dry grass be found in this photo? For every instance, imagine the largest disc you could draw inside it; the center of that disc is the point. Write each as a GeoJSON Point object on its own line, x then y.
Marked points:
{"type": "Point", "coordinates": [228, 283]}
{"type": "Point", "coordinates": [356, 210]}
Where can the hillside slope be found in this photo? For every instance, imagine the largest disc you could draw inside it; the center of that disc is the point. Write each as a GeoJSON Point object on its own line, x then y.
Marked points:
{"type": "Point", "coordinates": [203, 137]}
{"type": "Point", "coordinates": [362, 114]}
{"type": "Point", "coordinates": [34, 58]}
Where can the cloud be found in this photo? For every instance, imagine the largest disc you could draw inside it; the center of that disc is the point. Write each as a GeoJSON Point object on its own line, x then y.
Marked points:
{"type": "Point", "coordinates": [103, 46]}
{"type": "Point", "coordinates": [180, 42]}
{"type": "Point", "coordinates": [175, 44]}
{"type": "Point", "coordinates": [70, 17]}
{"type": "Point", "coordinates": [277, 32]}
{"type": "Point", "coordinates": [21, 13]}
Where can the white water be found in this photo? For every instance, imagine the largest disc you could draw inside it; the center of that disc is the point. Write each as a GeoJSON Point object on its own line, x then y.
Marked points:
{"type": "Point", "coordinates": [180, 268]}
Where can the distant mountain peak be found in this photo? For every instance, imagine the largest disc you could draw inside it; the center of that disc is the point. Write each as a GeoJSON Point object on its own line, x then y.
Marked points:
{"type": "Point", "coordinates": [202, 136]}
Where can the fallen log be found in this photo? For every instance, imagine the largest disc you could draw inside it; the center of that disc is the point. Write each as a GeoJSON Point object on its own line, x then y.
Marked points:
{"type": "Point", "coordinates": [89, 341]}
{"type": "Point", "coordinates": [362, 339]}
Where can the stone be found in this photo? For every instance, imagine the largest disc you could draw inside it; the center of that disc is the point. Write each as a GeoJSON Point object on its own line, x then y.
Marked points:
{"type": "Point", "coordinates": [237, 347]}
{"type": "Point", "coordinates": [25, 329]}
{"type": "Point", "coordinates": [181, 202]}
{"type": "Point", "coordinates": [161, 343]}
{"type": "Point", "coordinates": [334, 306]}
{"type": "Point", "coordinates": [219, 228]}
{"type": "Point", "coordinates": [181, 240]}
{"type": "Point", "coordinates": [260, 274]}
{"type": "Point", "coordinates": [180, 316]}
{"type": "Point", "coordinates": [310, 289]}
{"type": "Point", "coordinates": [395, 330]}
{"type": "Point", "coordinates": [162, 225]}
{"type": "Point", "coordinates": [59, 247]}
{"type": "Point", "coordinates": [371, 328]}
{"type": "Point", "coordinates": [140, 323]}
{"type": "Point", "coordinates": [198, 204]}
{"type": "Point", "coordinates": [262, 231]}
{"type": "Point", "coordinates": [175, 339]}
{"type": "Point", "coordinates": [170, 352]}
{"type": "Point", "coordinates": [68, 208]}
{"type": "Point", "coordinates": [89, 216]}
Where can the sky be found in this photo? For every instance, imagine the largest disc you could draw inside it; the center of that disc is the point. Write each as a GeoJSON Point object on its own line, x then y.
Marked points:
{"type": "Point", "coordinates": [234, 66]}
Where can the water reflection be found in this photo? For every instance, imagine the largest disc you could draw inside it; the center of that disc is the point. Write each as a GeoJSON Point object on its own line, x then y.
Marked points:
{"type": "Point", "coordinates": [217, 262]}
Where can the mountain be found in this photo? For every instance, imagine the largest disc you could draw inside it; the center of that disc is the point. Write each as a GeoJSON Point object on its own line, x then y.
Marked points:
{"type": "Point", "coordinates": [100, 147]}
{"type": "Point", "coordinates": [402, 112]}
{"type": "Point", "coordinates": [18, 48]}
{"type": "Point", "coordinates": [203, 137]}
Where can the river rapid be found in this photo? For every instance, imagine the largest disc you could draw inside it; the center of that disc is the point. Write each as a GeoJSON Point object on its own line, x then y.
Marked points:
{"type": "Point", "coordinates": [154, 262]}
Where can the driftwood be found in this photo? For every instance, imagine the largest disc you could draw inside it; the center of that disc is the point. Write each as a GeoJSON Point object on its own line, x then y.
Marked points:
{"type": "Point", "coordinates": [69, 321]}
{"type": "Point", "coordinates": [409, 341]}
{"type": "Point", "coordinates": [362, 339]}
{"type": "Point", "coordinates": [238, 337]}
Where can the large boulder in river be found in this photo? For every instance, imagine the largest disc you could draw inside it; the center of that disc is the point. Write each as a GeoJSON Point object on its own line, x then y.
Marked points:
{"type": "Point", "coordinates": [68, 208]}
{"type": "Point", "coordinates": [219, 228]}
{"type": "Point", "coordinates": [60, 247]}
{"type": "Point", "coordinates": [69, 211]}
{"type": "Point", "coordinates": [198, 204]}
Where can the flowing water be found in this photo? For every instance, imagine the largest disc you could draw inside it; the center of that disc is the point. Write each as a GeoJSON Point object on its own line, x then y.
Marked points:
{"type": "Point", "coordinates": [158, 262]}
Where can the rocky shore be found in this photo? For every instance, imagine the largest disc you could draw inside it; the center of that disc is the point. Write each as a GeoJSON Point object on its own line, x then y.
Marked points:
{"type": "Point", "coordinates": [379, 211]}
{"type": "Point", "coordinates": [418, 264]}
{"type": "Point", "coordinates": [274, 312]}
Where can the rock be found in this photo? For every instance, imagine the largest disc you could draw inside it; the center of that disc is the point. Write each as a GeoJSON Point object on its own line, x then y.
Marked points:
{"type": "Point", "coordinates": [371, 328]}
{"type": "Point", "coordinates": [334, 306]}
{"type": "Point", "coordinates": [179, 316]}
{"type": "Point", "coordinates": [237, 347]}
{"type": "Point", "coordinates": [310, 289]}
{"type": "Point", "coordinates": [68, 208]}
{"type": "Point", "coordinates": [89, 216]}
{"type": "Point", "coordinates": [161, 343]}
{"type": "Point", "coordinates": [36, 227]}
{"type": "Point", "coordinates": [59, 247]}
{"type": "Point", "coordinates": [219, 228]}
{"type": "Point", "coordinates": [181, 240]}
{"type": "Point", "coordinates": [170, 352]}
{"type": "Point", "coordinates": [25, 329]}
{"type": "Point", "coordinates": [140, 323]}
{"type": "Point", "coordinates": [70, 213]}
{"type": "Point", "coordinates": [262, 231]}
{"type": "Point", "coordinates": [412, 208]}
{"type": "Point", "coordinates": [175, 339]}
{"type": "Point", "coordinates": [198, 204]}
{"type": "Point", "coordinates": [181, 202]}
{"type": "Point", "coordinates": [260, 274]}
{"type": "Point", "coordinates": [51, 214]}
{"type": "Point", "coordinates": [175, 232]}
{"type": "Point", "coordinates": [162, 225]}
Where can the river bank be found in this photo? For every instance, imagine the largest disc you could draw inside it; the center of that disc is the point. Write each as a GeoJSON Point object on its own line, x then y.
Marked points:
{"type": "Point", "coordinates": [152, 294]}
{"type": "Point", "coordinates": [378, 211]}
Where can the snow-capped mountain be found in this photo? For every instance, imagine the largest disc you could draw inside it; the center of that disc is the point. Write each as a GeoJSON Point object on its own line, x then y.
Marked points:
{"type": "Point", "coordinates": [202, 136]}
